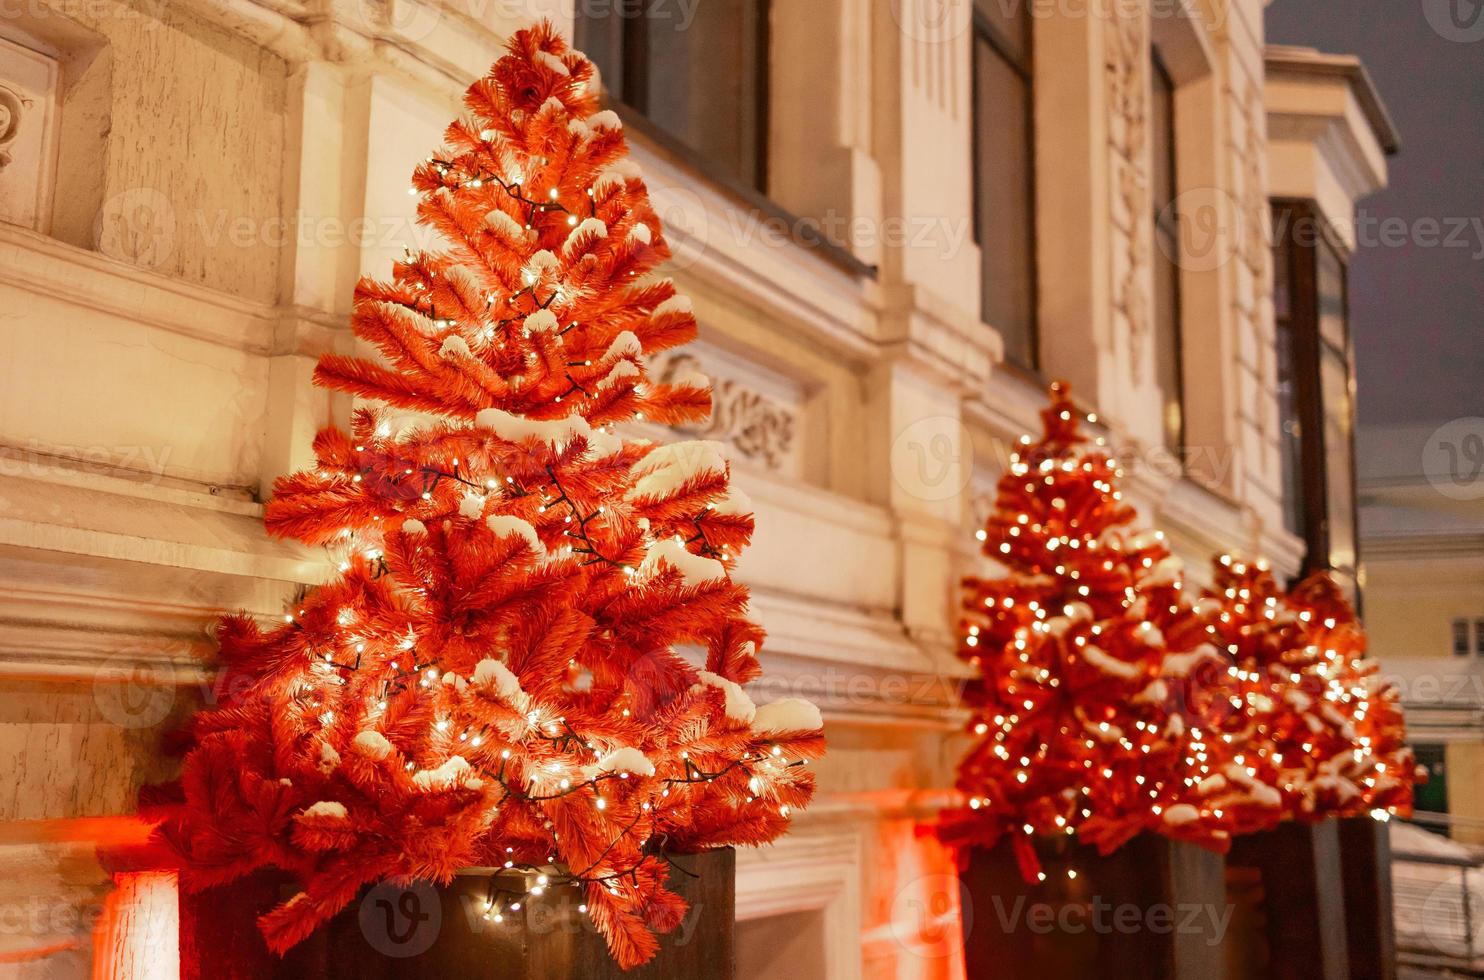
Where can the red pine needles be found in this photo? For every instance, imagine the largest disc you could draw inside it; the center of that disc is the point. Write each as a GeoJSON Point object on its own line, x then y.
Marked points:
{"type": "Point", "coordinates": [1091, 708]}
{"type": "Point", "coordinates": [1110, 702]}
{"type": "Point", "coordinates": [493, 678]}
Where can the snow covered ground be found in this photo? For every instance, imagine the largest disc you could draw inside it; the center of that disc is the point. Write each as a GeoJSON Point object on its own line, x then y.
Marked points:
{"type": "Point", "coordinates": [1439, 895]}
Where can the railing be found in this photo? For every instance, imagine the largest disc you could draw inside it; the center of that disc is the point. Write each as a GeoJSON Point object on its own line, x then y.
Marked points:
{"type": "Point", "coordinates": [1439, 910]}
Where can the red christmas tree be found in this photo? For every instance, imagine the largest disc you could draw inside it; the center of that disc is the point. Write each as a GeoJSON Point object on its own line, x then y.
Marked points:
{"type": "Point", "coordinates": [1098, 692]}
{"type": "Point", "coordinates": [494, 677]}
{"type": "Point", "coordinates": [1317, 721]}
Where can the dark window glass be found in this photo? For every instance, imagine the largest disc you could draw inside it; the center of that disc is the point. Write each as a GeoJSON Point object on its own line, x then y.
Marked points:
{"type": "Point", "coordinates": [1004, 176]}
{"type": "Point", "coordinates": [700, 77]}
{"type": "Point", "coordinates": [1316, 401]}
{"type": "Point", "coordinates": [1461, 646]}
{"type": "Point", "coordinates": [1164, 185]}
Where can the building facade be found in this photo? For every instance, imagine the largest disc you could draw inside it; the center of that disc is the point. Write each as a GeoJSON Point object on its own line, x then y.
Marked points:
{"type": "Point", "coordinates": [898, 219]}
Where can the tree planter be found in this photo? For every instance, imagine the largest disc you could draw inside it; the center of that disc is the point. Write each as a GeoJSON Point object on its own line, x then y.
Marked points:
{"type": "Point", "coordinates": [1293, 875]}
{"type": "Point", "coordinates": [1365, 857]}
{"type": "Point", "coordinates": [1155, 909]}
{"type": "Point", "coordinates": [426, 932]}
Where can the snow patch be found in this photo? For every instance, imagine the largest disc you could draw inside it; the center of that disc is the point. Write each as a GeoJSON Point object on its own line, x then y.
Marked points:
{"type": "Point", "coordinates": [515, 428]}
{"type": "Point", "coordinates": [414, 526]}
{"type": "Point", "coordinates": [694, 569]}
{"type": "Point", "coordinates": [624, 345]}
{"type": "Point", "coordinates": [619, 371]}
{"type": "Point", "coordinates": [472, 506]}
{"type": "Point", "coordinates": [454, 772]}
{"type": "Point", "coordinates": [665, 469]}
{"type": "Point", "coordinates": [734, 504]}
{"type": "Point", "coordinates": [541, 321]}
{"type": "Point", "coordinates": [505, 525]}
{"type": "Point", "coordinates": [326, 808]}
{"type": "Point", "coordinates": [490, 671]}
{"type": "Point", "coordinates": [589, 226]}
{"type": "Point", "coordinates": [1180, 814]}
{"type": "Point", "coordinates": [738, 705]}
{"type": "Point", "coordinates": [788, 715]}
{"type": "Point", "coordinates": [1168, 571]}
{"type": "Point", "coordinates": [1109, 664]}
{"type": "Point", "coordinates": [554, 63]}
{"type": "Point", "coordinates": [502, 224]}
{"type": "Point", "coordinates": [455, 346]}
{"type": "Point", "coordinates": [1182, 664]}
{"type": "Point", "coordinates": [373, 745]}
{"type": "Point", "coordinates": [624, 760]}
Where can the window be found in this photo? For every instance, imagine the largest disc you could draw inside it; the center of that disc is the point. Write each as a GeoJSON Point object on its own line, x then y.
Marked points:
{"type": "Point", "coordinates": [699, 75]}
{"type": "Point", "coordinates": [1163, 178]}
{"type": "Point", "coordinates": [1316, 392]}
{"type": "Point", "coordinates": [1468, 638]}
{"type": "Point", "coordinates": [1004, 176]}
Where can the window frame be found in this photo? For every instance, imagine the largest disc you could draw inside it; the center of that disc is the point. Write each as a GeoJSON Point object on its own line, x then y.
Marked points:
{"type": "Point", "coordinates": [1166, 223]}
{"type": "Point", "coordinates": [983, 28]}
{"type": "Point", "coordinates": [1304, 232]}
{"type": "Point", "coordinates": [629, 48]}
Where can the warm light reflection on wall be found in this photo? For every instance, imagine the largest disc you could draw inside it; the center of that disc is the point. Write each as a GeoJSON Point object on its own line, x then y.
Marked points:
{"type": "Point", "coordinates": [138, 934]}
{"type": "Point", "coordinates": [916, 904]}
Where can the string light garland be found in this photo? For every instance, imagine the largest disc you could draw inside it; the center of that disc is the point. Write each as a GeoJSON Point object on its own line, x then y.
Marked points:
{"type": "Point", "coordinates": [1110, 701]}
{"type": "Point", "coordinates": [1315, 718]}
{"type": "Point", "coordinates": [1088, 719]}
{"type": "Point", "coordinates": [491, 679]}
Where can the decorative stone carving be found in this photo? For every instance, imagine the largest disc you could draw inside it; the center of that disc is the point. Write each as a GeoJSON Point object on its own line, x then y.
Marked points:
{"type": "Point", "coordinates": [761, 429]}
{"type": "Point", "coordinates": [12, 106]}
{"type": "Point", "coordinates": [1127, 80]}
{"type": "Point", "coordinates": [28, 86]}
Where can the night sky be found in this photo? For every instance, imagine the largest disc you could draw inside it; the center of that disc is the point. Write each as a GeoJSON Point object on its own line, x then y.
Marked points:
{"type": "Point", "coordinates": [1417, 311]}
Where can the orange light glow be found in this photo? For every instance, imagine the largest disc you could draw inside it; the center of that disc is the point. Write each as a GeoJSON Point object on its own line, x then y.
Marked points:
{"type": "Point", "coordinates": [138, 934]}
